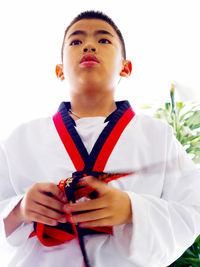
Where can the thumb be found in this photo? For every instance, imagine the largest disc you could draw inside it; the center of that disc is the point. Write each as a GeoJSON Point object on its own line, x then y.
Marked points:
{"type": "Point", "coordinates": [99, 186]}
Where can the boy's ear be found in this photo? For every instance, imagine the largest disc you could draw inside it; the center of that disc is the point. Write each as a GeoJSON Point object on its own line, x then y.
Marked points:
{"type": "Point", "coordinates": [127, 68]}
{"type": "Point", "coordinates": [59, 71]}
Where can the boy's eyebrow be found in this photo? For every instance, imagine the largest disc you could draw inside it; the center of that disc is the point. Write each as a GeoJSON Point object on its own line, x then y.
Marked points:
{"type": "Point", "coordinates": [95, 33]}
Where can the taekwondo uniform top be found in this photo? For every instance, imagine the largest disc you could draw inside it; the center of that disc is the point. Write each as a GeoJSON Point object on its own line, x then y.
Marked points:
{"type": "Point", "coordinates": [164, 190]}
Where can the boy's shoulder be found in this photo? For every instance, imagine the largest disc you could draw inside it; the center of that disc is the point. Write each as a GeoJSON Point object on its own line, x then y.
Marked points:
{"type": "Point", "coordinates": [150, 123]}
{"type": "Point", "coordinates": [35, 126]}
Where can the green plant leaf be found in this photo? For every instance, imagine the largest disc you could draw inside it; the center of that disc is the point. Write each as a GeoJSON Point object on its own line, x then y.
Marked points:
{"type": "Point", "coordinates": [185, 125]}
{"type": "Point", "coordinates": [193, 122]}
{"type": "Point", "coordinates": [145, 106]}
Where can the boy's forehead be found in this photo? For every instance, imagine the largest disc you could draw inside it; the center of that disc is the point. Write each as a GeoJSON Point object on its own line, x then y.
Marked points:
{"type": "Point", "coordinates": [90, 26]}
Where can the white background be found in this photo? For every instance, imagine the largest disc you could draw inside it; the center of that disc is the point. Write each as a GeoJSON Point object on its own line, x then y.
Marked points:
{"type": "Point", "coordinates": [162, 41]}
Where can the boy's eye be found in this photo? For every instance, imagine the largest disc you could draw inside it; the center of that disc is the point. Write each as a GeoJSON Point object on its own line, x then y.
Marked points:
{"type": "Point", "coordinates": [104, 40]}
{"type": "Point", "coordinates": [75, 42]}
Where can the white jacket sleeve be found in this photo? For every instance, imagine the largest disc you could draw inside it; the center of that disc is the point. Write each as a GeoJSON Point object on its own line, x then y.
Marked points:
{"type": "Point", "coordinates": [8, 200]}
{"type": "Point", "coordinates": [163, 228]}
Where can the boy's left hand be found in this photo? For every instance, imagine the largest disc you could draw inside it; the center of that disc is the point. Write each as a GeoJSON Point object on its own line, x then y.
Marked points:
{"type": "Point", "coordinates": [112, 207]}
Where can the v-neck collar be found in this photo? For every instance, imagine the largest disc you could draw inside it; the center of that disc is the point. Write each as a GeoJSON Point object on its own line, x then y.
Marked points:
{"type": "Point", "coordinates": [90, 159]}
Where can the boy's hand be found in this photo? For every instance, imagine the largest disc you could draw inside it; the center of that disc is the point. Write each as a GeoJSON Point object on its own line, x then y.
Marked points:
{"type": "Point", "coordinates": [37, 206]}
{"type": "Point", "coordinates": [112, 207]}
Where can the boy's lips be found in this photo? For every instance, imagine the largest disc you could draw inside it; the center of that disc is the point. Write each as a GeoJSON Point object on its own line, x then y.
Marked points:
{"type": "Point", "coordinates": [89, 63]}
{"type": "Point", "coordinates": [89, 60]}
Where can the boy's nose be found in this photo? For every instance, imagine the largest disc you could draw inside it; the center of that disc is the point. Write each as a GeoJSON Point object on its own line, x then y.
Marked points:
{"type": "Point", "coordinates": [86, 49]}
{"type": "Point", "coordinates": [89, 47]}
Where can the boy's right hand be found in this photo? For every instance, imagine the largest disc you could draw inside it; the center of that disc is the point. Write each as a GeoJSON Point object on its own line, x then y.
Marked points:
{"type": "Point", "coordinates": [37, 206]}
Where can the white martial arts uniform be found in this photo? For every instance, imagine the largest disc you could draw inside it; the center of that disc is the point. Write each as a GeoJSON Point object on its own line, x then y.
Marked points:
{"type": "Point", "coordinates": [165, 197]}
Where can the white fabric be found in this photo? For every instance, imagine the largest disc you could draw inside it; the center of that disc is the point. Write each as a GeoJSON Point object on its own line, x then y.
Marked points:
{"type": "Point", "coordinates": [165, 198]}
{"type": "Point", "coordinates": [89, 129]}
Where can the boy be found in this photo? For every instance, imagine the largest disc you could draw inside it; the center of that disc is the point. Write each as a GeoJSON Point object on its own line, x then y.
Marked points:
{"type": "Point", "coordinates": [154, 213]}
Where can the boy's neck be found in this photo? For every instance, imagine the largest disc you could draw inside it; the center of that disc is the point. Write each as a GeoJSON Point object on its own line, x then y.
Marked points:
{"type": "Point", "coordinates": [92, 106]}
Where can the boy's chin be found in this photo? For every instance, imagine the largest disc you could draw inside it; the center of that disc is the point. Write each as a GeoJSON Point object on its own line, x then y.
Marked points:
{"type": "Point", "coordinates": [90, 80]}
{"type": "Point", "coordinates": [89, 86]}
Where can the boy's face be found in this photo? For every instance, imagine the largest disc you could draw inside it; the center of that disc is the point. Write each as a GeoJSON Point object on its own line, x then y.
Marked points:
{"type": "Point", "coordinates": [105, 47]}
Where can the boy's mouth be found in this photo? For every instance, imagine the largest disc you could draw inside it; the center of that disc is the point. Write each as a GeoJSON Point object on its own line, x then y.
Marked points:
{"type": "Point", "coordinates": [89, 60]}
{"type": "Point", "coordinates": [89, 63]}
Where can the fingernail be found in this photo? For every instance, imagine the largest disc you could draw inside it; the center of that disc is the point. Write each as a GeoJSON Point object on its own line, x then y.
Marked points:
{"type": "Point", "coordinates": [64, 199]}
{"type": "Point", "coordinates": [85, 180]}
{"type": "Point", "coordinates": [67, 209]}
{"type": "Point", "coordinates": [63, 219]}
{"type": "Point", "coordinates": [88, 178]}
{"type": "Point", "coordinates": [82, 225]}
{"type": "Point", "coordinates": [70, 218]}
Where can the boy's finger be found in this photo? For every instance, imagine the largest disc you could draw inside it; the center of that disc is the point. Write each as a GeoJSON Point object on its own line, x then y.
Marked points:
{"type": "Point", "coordinates": [49, 202]}
{"type": "Point", "coordinates": [53, 189]}
{"type": "Point", "coordinates": [46, 211]}
{"type": "Point", "coordinates": [100, 186]}
{"type": "Point", "coordinates": [90, 216]}
{"type": "Point", "coordinates": [97, 223]}
{"type": "Point", "coordinates": [42, 219]}
{"type": "Point", "coordinates": [86, 205]}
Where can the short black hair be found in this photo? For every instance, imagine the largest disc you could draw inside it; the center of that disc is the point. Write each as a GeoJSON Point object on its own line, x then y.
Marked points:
{"type": "Point", "coordinates": [92, 14]}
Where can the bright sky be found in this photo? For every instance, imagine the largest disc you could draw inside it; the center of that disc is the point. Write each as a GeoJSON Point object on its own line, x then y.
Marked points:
{"type": "Point", "coordinates": [162, 41]}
